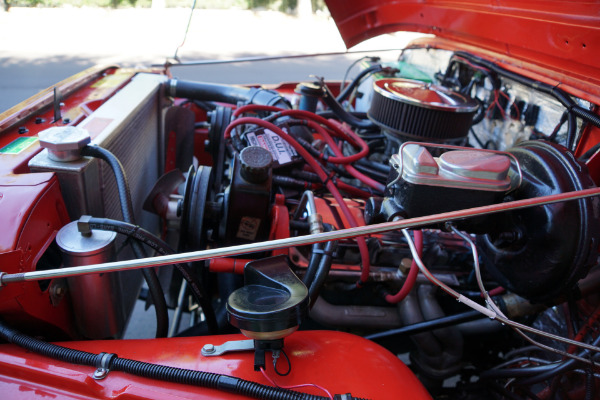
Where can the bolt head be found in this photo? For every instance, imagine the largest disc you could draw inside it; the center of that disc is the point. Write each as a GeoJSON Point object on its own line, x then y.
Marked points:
{"type": "Point", "coordinates": [208, 348]}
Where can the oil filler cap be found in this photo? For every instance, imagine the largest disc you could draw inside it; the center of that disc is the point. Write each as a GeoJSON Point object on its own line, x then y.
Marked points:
{"type": "Point", "coordinates": [272, 302]}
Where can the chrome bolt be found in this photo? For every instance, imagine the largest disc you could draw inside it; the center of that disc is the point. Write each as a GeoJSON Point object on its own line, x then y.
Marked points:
{"type": "Point", "coordinates": [100, 374]}
{"type": "Point", "coordinates": [208, 348]}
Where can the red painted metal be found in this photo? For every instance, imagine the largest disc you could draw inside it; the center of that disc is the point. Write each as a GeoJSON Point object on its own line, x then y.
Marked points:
{"type": "Point", "coordinates": [32, 205]}
{"type": "Point", "coordinates": [561, 36]}
{"type": "Point", "coordinates": [280, 223]}
{"type": "Point", "coordinates": [32, 214]}
{"type": "Point", "coordinates": [88, 92]}
{"type": "Point", "coordinates": [229, 265]}
{"type": "Point", "coordinates": [339, 362]}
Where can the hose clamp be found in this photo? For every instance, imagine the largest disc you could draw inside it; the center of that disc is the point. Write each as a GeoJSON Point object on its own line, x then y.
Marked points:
{"type": "Point", "coordinates": [172, 87]}
{"type": "Point", "coordinates": [103, 362]}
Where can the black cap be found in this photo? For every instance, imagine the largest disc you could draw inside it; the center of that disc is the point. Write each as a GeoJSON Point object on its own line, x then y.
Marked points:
{"type": "Point", "coordinates": [256, 164]}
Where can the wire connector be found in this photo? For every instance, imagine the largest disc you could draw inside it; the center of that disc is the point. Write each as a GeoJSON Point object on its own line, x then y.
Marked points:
{"type": "Point", "coordinates": [346, 396]}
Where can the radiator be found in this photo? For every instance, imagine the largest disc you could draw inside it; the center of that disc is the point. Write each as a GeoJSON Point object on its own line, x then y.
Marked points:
{"type": "Point", "coordinates": [129, 125]}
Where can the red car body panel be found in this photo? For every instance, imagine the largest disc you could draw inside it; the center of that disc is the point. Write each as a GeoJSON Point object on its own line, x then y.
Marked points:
{"type": "Point", "coordinates": [337, 361]}
{"type": "Point", "coordinates": [563, 36]}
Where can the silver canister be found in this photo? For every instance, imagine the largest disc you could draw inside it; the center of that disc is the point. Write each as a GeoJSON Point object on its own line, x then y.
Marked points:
{"type": "Point", "coordinates": [96, 298]}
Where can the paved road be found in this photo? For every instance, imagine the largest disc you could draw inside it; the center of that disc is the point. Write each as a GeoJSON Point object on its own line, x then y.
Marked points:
{"type": "Point", "coordinates": [40, 47]}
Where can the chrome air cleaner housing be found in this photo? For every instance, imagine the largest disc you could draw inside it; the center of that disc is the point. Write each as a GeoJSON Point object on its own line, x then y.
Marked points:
{"type": "Point", "coordinates": [412, 110]}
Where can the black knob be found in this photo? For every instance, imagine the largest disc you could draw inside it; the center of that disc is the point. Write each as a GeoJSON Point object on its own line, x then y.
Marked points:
{"type": "Point", "coordinates": [256, 164]}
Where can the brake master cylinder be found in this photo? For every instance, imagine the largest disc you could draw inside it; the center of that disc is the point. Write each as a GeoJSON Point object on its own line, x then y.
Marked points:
{"type": "Point", "coordinates": [421, 184]}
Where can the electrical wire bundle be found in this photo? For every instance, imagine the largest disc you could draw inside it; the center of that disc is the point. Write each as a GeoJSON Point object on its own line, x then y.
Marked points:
{"type": "Point", "coordinates": [522, 373]}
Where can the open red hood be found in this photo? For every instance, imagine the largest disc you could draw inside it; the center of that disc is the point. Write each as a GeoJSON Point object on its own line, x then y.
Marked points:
{"type": "Point", "coordinates": [560, 35]}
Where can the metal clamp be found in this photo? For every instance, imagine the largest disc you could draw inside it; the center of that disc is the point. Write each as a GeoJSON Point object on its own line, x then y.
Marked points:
{"type": "Point", "coordinates": [210, 350]}
{"type": "Point", "coordinates": [103, 361]}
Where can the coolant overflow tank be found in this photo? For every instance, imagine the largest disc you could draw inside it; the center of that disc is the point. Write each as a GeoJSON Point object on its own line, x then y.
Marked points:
{"type": "Point", "coordinates": [96, 297]}
{"type": "Point", "coordinates": [458, 179]}
{"type": "Point", "coordinates": [272, 302]}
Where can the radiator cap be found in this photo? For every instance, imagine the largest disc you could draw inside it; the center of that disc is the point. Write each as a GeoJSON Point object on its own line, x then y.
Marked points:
{"type": "Point", "coordinates": [64, 143]}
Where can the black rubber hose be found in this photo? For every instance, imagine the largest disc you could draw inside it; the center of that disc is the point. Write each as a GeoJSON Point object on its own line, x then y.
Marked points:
{"type": "Point", "coordinates": [329, 114]}
{"type": "Point", "coordinates": [428, 325]}
{"type": "Point", "coordinates": [367, 170]}
{"type": "Point", "coordinates": [383, 168]}
{"type": "Point", "coordinates": [306, 176]}
{"type": "Point", "coordinates": [342, 114]}
{"type": "Point", "coordinates": [322, 272]}
{"type": "Point", "coordinates": [46, 349]}
{"type": "Point", "coordinates": [138, 233]}
{"type": "Point", "coordinates": [587, 115]}
{"type": "Point", "coordinates": [154, 371]}
{"type": "Point", "coordinates": [287, 182]}
{"type": "Point", "coordinates": [313, 264]}
{"type": "Point", "coordinates": [225, 93]}
{"type": "Point", "coordinates": [572, 130]}
{"type": "Point", "coordinates": [589, 153]}
{"type": "Point", "coordinates": [158, 296]}
{"type": "Point", "coordinates": [201, 329]}
{"type": "Point", "coordinates": [357, 80]}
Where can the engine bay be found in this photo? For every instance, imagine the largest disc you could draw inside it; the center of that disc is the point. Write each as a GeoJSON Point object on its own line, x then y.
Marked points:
{"type": "Point", "coordinates": [443, 207]}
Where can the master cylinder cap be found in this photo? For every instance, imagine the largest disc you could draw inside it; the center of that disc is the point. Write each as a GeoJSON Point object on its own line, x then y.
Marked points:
{"type": "Point", "coordinates": [64, 143]}
{"type": "Point", "coordinates": [272, 302]}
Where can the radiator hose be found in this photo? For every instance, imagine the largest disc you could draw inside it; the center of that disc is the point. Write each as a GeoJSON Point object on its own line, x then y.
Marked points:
{"type": "Point", "coordinates": [209, 380]}
{"type": "Point", "coordinates": [156, 292]}
{"type": "Point", "coordinates": [140, 234]}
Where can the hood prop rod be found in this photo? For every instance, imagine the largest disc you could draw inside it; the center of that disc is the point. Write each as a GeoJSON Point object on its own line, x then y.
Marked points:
{"type": "Point", "coordinates": [201, 255]}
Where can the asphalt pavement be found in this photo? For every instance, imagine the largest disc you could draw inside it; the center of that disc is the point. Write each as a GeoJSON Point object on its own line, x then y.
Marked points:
{"type": "Point", "coordinates": [39, 47]}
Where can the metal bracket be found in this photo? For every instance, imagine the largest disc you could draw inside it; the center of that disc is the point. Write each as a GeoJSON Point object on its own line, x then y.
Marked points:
{"type": "Point", "coordinates": [210, 350]}
{"type": "Point", "coordinates": [103, 361]}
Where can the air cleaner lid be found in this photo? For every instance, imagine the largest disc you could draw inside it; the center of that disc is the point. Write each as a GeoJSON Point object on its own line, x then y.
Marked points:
{"type": "Point", "coordinates": [425, 95]}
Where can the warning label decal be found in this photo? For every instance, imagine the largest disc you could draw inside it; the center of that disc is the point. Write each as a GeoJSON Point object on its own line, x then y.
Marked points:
{"type": "Point", "coordinates": [281, 151]}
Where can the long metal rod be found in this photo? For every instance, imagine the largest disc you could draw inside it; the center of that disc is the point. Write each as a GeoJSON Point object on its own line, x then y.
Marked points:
{"type": "Point", "coordinates": [295, 241]}
{"type": "Point", "coordinates": [268, 58]}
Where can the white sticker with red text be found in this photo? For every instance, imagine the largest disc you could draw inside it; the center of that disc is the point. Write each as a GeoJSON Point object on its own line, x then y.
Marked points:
{"type": "Point", "coordinates": [281, 151]}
